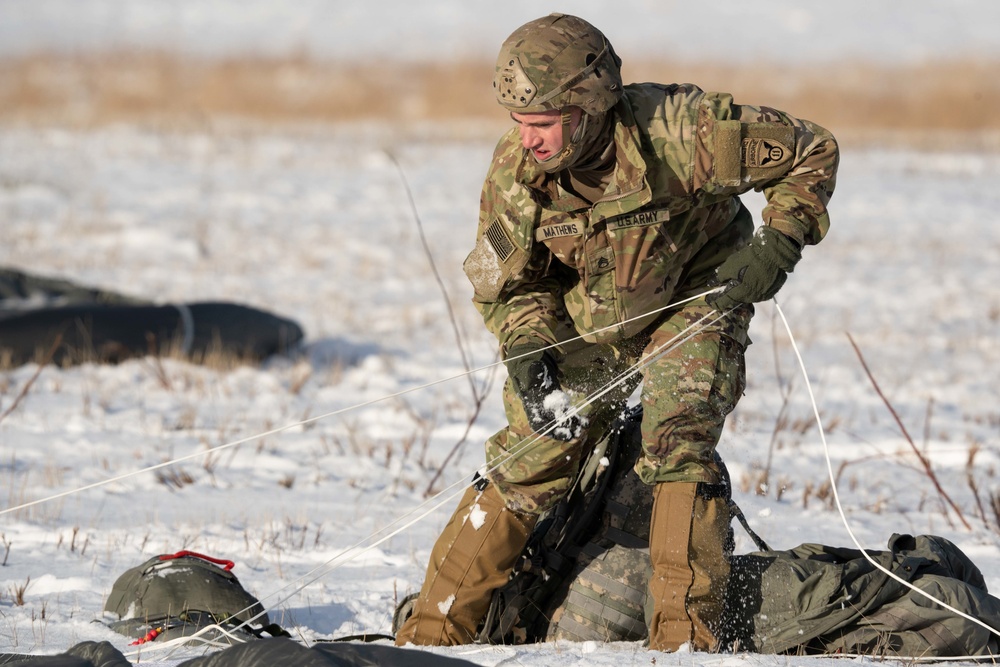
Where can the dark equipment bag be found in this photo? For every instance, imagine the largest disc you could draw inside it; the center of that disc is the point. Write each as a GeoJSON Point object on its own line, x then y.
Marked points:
{"type": "Point", "coordinates": [818, 599]}
{"type": "Point", "coordinates": [48, 319]}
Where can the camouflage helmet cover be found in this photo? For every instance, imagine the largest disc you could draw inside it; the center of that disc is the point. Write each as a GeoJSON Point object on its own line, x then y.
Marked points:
{"type": "Point", "coordinates": [555, 62]}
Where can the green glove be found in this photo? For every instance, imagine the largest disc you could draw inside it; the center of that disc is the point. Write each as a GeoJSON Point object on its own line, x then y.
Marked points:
{"type": "Point", "coordinates": [757, 271]}
{"type": "Point", "coordinates": [534, 374]}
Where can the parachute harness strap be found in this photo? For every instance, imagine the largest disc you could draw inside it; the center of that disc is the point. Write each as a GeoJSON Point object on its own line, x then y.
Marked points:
{"type": "Point", "coordinates": [227, 564]}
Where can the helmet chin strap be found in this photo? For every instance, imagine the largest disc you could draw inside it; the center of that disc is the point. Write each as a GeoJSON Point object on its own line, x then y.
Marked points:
{"type": "Point", "coordinates": [571, 143]}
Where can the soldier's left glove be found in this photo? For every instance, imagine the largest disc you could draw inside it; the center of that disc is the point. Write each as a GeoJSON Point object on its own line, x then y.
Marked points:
{"type": "Point", "coordinates": [533, 373]}
{"type": "Point", "coordinates": [757, 271]}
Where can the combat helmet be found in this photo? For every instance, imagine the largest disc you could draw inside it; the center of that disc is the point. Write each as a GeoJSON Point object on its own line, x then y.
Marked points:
{"type": "Point", "coordinates": [555, 62]}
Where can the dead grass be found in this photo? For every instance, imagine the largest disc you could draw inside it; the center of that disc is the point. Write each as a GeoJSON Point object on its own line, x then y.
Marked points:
{"type": "Point", "coordinates": [129, 87]}
{"type": "Point", "coordinates": [959, 98]}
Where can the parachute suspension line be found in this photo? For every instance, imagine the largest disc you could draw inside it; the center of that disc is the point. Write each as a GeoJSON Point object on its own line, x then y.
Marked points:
{"type": "Point", "coordinates": [417, 514]}
{"type": "Point", "coordinates": [685, 335]}
{"type": "Point", "coordinates": [304, 422]}
{"type": "Point", "coordinates": [320, 571]}
{"type": "Point", "coordinates": [372, 540]}
{"type": "Point", "coordinates": [233, 443]}
{"type": "Point", "coordinates": [177, 643]}
{"type": "Point", "coordinates": [655, 311]}
{"type": "Point", "coordinates": [360, 547]}
{"type": "Point", "coordinates": [836, 495]}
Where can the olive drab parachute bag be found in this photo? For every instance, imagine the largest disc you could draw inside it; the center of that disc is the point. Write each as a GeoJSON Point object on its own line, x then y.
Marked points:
{"type": "Point", "coordinates": [818, 599]}
{"type": "Point", "coordinates": [174, 595]}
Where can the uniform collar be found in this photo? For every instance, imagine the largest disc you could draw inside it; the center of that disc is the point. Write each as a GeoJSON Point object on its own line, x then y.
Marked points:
{"type": "Point", "coordinates": [628, 189]}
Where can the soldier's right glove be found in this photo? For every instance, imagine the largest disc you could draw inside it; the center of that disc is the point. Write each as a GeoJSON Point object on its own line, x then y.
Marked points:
{"type": "Point", "coordinates": [534, 375]}
{"type": "Point", "coordinates": [756, 272]}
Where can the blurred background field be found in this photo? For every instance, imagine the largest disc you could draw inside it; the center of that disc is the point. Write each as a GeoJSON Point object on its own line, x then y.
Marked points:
{"type": "Point", "coordinates": [883, 103]}
{"type": "Point", "coordinates": [922, 73]}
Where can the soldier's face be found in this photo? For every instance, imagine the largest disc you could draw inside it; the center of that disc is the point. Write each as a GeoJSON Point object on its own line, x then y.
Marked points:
{"type": "Point", "coordinates": [542, 132]}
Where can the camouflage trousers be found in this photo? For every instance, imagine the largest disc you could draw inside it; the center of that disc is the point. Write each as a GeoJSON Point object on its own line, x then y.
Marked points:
{"type": "Point", "coordinates": [692, 375]}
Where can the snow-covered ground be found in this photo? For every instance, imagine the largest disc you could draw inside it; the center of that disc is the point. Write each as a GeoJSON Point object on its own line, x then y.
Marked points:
{"type": "Point", "coordinates": [315, 224]}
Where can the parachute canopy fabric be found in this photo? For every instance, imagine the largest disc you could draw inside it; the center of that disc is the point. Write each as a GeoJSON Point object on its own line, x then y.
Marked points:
{"type": "Point", "coordinates": [84, 654]}
{"type": "Point", "coordinates": [260, 653]}
{"type": "Point", "coordinates": [49, 319]}
{"type": "Point", "coordinates": [823, 599]}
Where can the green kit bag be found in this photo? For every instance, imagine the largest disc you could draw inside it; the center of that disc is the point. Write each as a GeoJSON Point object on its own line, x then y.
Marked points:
{"type": "Point", "coordinates": [174, 595]}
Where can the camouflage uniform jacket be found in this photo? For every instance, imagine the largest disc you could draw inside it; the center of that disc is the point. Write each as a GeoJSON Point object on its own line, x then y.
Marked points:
{"type": "Point", "coordinates": [667, 218]}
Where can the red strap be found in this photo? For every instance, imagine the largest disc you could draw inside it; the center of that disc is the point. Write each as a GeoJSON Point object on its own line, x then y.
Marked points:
{"type": "Point", "coordinates": [150, 636]}
{"type": "Point", "coordinates": [218, 561]}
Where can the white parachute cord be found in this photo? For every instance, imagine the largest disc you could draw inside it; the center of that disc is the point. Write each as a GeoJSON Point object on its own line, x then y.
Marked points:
{"type": "Point", "coordinates": [682, 337]}
{"type": "Point", "coordinates": [836, 495]}
{"type": "Point", "coordinates": [233, 443]}
{"type": "Point", "coordinates": [358, 549]}
{"type": "Point", "coordinates": [315, 574]}
{"type": "Point", "coordinates": [172, 646]}
{"type": "Point", "coordinates": [311, 420]}
{"type": "Point", "coordinates": [371, 541]}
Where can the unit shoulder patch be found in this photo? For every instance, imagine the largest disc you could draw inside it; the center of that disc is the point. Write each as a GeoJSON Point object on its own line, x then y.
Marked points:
{"type": "Point", "coordinates": [751, 152]}
{"type": "Point", "coordinates": [764, 153]}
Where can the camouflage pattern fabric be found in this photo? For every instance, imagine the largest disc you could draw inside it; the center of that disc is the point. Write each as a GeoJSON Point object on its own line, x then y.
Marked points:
{"type": "Point", "coordinates": [554, 62]}
{"type": "Point", "coordinates": [665, 222]}
{"type": "Point", "coordinates": [604, 597]}
{"type": "Point", "coordinates": [691, 383]}
{"type": "Point", "coordinates": [179, 587]}
{"type": "Point", "coordinates": [688, 393]}
{"type": "Point", "coordinates": [549, 266]}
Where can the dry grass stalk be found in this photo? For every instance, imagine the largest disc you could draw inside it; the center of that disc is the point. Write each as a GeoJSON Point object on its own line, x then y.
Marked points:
{"type": "Point", "coordinates": [27, 385]}
{"type": "Point", "coordinates": [478, 392]}
{"type": "Point", "coordinates": [19, 590]}
{"type": "Point", "coordinates": [924, 461]}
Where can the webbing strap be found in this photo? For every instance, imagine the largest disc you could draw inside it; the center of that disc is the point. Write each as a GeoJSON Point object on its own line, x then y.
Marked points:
{"type": "Point", "coordinates": [621, 626]}
{"type": "Point", "coordinates": [735, 510]}
{"type": "Point", "coordinates": [227, 564]}
{"type": "Point", "coordinates": [669, 541]}
{"type": "Point", "coordinates": [601, 584]}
